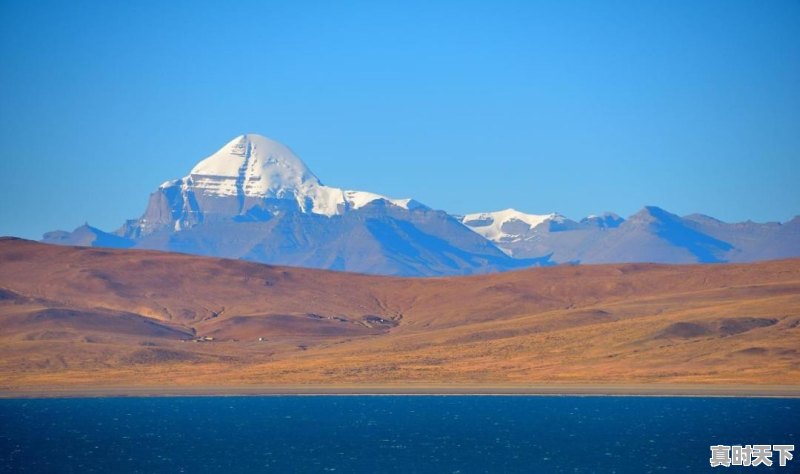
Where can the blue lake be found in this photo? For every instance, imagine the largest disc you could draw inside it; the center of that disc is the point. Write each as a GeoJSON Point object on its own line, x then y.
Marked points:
{"type": "Point", "coordinates": [441, 434]}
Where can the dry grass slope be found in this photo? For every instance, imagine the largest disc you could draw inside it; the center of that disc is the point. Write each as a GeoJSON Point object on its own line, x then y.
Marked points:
{"type": "Point", "coordinates": [80, 317]}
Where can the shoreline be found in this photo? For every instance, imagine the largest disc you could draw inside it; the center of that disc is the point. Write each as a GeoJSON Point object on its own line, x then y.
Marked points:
{"type": "Point", "coordinates": [636, 390]}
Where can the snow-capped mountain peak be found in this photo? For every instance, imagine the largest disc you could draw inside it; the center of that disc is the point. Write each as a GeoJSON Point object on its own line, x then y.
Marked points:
{"type": "Point", "coordinates": [255, 167]}
{"type": "Point", "coordinates": [252, 165]}
{"type": "Point", "coordinates": [507, 224]}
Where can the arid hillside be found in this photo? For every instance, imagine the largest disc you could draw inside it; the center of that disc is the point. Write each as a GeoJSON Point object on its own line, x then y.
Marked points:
{"type": "Point", "coordinates": [83, 317]}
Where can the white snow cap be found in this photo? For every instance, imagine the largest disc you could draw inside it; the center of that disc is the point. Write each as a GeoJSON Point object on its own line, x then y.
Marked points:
{"type": "Point", "coordinates": [256, 166]}
{"type": "Point", "coordinates": [490, 224]}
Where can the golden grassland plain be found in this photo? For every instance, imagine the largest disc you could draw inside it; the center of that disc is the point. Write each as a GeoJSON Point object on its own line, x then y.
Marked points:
{"type": "Point", "coordinates": [83, 320]}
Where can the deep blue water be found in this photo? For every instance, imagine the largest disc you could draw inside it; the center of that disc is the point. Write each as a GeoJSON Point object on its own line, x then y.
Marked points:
{"type": "Point", "coordinates": [441, 434]}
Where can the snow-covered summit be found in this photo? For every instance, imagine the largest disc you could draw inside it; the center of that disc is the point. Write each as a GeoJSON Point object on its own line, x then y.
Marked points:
{"type": "Point", "coordinates": [253, 166]}
{"type": "Point", "coordinates": [506, 224]}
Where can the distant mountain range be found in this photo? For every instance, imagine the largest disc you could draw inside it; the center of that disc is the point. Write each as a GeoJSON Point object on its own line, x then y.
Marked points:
{"type": "Point", "coordinates": [254, 199]}
{"type": "Point", "coordinates": [650, 235]}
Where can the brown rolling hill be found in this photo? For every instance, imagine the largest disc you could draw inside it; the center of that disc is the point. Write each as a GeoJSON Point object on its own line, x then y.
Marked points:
{"type": "Point", "coordinates": [83, 317]}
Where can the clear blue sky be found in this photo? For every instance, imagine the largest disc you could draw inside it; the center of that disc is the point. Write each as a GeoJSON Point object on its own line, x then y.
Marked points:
{"type": "Point", "coordinates": [574, 107]}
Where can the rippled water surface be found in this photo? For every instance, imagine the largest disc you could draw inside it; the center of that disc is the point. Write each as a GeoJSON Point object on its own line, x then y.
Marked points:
{"type": "Point", "coordinates": [388, 434]}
